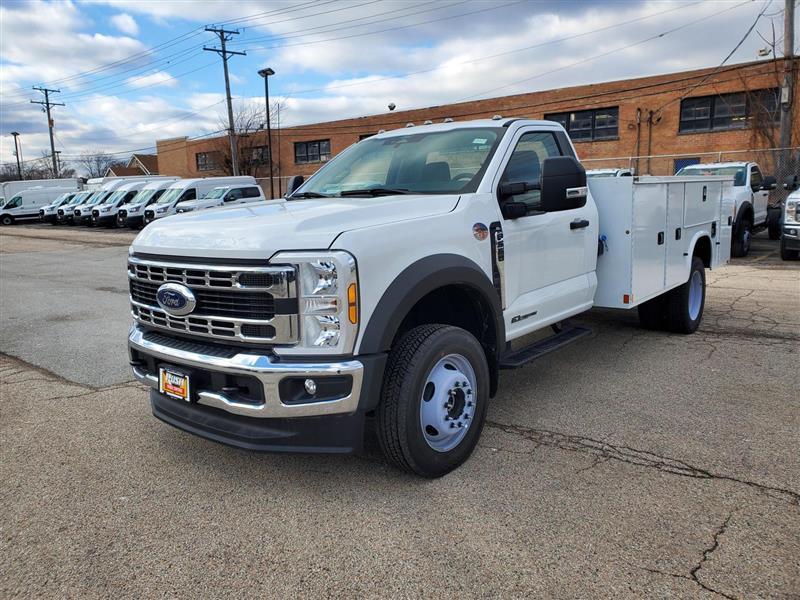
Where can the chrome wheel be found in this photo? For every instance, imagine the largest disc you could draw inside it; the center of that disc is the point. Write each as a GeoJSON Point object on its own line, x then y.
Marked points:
{"type": "Point", "coordinates": [695, 295]}
{"type": "Point", "coordinates": [447, 405]}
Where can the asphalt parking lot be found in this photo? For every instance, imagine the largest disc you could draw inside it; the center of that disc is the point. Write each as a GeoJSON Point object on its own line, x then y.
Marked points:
{"type": "Point", "coordinates": [630, 464]}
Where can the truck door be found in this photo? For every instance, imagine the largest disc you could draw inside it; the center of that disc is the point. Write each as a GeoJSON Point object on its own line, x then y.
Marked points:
{"type": "Point", "coordinates": [760, 197]}
{"type": "Point", "coordinates": [550, 257]}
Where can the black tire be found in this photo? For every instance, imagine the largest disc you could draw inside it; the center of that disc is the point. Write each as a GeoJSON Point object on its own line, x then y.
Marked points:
{"type": "Point", "coordinates": [774, 223]}
{"type": "Point", "coordinates": [787, 254]}
{"type": "Point", "coordinates": [398, 414]}
{"type": "Point", "coordinates": [6, 220]}
{"type": "Point", "coordinates": [741, 239]}
{"type": "Point", "coordinates": [679, 319]}
{"type": "Point", "coordinates": [653, 313]}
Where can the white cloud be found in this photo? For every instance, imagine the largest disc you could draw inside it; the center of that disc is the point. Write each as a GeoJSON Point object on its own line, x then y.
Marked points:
{"type": "Point", "coordinates": [160, 78]}
{"type": "Point", "coordinates": [125, 23]}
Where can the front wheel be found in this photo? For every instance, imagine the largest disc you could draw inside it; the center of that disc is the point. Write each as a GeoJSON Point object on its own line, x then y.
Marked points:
{"type": "Point", "coordinates": [741, 240]}
{"type": "Point", "coordinates": [774, 223]}
{"type": "Point", "coordinates": [434, 400]}
{"type": "Point", "coordinates": [6, 220]}
{"type": "Point", "coordinates": [685, 304]}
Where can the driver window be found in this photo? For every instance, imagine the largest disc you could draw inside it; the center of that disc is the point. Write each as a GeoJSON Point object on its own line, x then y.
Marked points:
{"type": "Point", "coordinates": [234, 194]}
{"type": "Point", "coordinates": [525, 164]}
{"type": "Point", "coordinates": [755, 177]}
{"type": "Point", "coordinates": [190, 194]}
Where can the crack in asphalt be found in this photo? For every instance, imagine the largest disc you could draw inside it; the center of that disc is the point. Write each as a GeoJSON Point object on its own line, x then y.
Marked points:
{"type": "Point", "coordinates": [634, 456]}
{"type": "Point", "coordinates": [707, 552]}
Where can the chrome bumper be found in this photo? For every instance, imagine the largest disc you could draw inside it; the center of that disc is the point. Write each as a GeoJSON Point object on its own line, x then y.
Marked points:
{"type": "Point", "coordinates": [264, 368]}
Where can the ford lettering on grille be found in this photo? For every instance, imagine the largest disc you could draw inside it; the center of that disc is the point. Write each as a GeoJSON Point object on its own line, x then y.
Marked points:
{"type": "Point", "coordinates": [176, 299]}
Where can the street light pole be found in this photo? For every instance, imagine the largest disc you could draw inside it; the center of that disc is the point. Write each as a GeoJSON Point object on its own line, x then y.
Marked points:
{"type": "Point", "coordinates": [266, 73]}
{"type": "Point", "coordinates": [16, 153]}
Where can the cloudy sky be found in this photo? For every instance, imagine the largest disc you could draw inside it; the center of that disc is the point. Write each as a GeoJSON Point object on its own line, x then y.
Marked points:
{"type": "Point", "coordinates": [133, 71]}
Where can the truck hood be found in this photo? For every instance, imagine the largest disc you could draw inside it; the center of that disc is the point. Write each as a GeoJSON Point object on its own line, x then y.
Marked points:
{"type": "Point", "coordinates": [260, 230]}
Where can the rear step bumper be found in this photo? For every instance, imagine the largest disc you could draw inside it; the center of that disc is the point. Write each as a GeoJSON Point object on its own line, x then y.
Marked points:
{"type": "Point", "coordinates": [521, 357]}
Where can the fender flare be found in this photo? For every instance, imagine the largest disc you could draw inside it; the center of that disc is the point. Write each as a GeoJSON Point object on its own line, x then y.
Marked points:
{"type": "Point", "coordinates": [416, 281]}
{"type": "Point", "coordinates": [743, 208]}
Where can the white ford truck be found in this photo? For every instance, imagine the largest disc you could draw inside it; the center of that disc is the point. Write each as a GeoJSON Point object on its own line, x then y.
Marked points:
{"type": "Point", "coordinates": [391, 287]}
{"type": "Point", "coordinates": [750, 195]}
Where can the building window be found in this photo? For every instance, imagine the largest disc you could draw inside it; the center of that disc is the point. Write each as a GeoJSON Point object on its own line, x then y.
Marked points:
{"type": "Point", "coordinates": [586, 125]}
{"type": "Point", "coordinates": [260, 155]}
{"type": "Point", "coordinates": [729, 111]}
{"type": "Point", "coordinates": [312, 152]}
{"type": "Point", "coordinates": [207, 161]}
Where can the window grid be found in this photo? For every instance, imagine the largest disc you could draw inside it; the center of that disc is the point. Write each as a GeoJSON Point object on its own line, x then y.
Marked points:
{"type": "Point", "coordinates": [588, 125]}
{"type": "Point", "coordinates": [312, 152]}
{"type": "Point", "coordinates": [725, 112]}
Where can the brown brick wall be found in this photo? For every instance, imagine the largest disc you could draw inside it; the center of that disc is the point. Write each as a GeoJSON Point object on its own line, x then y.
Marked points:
{"type": "Point", "coordinates": [633, 97]}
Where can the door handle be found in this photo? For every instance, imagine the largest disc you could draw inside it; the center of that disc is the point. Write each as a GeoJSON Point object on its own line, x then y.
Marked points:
{"type": "Point", "coordinates": [579, 224]}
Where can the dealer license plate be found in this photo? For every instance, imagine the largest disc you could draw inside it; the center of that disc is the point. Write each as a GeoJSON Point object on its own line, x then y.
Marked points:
{"type": "Point", "coordinates": [174, 383]}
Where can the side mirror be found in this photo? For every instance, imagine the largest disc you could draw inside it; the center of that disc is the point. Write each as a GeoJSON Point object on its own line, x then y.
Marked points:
{"type": "Point", "coordinates": [791, 183]}
{"type": "Point", "coordinates": [769, 183]}
{"type": "Point", "coordinates": [294, 182]}
{"type": "Point", "coordinates": [517, 188]}
{"type": "Point", "coordinates": [563, 184]}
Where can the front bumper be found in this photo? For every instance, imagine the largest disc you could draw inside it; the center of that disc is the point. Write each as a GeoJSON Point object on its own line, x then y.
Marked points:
{"type": "Point", "coordinates": [109, 219]}
{"type": "Point", "coordinates": [791, 237]}
{"type": "Point", "coordinates": [134, 221]}
{"type": "Point", "coordinates": [255, 401]}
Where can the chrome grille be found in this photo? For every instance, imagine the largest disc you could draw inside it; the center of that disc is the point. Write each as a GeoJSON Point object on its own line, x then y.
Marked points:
{"type": "Point", "coordinates": [247, 303]}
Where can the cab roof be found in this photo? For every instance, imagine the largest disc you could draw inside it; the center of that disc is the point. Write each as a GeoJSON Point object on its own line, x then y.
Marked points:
{"type": "Point", "coordinates": [473, 124]}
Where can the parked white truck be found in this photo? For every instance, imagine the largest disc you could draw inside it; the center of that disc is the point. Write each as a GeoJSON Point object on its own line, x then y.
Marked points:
{"type": "Point", "coordinates": [190, 189]}
{"type": "Point", "coordinates": [226, 195]}
{"type": "Point", "coordinates": [751, 199]}
{"type": "Point", "coordinates": [47, 214]}
{"type": "Point", "coordinates": [128, 193]}
{"type": "Point", "coordinates": [396, 282]}
{"type": "Point", "coordinates": [790, 220]}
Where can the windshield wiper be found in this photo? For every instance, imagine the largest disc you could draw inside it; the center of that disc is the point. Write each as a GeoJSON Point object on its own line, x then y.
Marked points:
{"type": "Point", "coordinates": [308, 195]}
{"type": "Point", "coordinates": [375, 192]}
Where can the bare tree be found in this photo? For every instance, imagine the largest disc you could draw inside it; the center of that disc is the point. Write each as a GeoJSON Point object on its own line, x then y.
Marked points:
{"type": "Point", "coordinates": [95, 164]}
{"type": "Point", "coordinates": [251, 138]}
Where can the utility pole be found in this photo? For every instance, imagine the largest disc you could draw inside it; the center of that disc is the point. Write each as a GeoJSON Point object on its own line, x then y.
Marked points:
{"type": "Point", "coordinates": [266, 73]}
{"type": "Point", "coordinates": [787, 89]}
{"type": "Point", "coordinates": [47, 104]}
{"type": "Point", "coordinates": [16, 153]}
{"type": "Point", "coordinates": [224, 36]}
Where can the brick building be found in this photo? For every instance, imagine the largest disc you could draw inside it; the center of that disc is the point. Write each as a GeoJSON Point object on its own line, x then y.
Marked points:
{"type": "Point", "coordinates": [654, 124]}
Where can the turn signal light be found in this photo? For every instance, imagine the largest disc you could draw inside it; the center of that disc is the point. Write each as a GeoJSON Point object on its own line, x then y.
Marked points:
{"type": "Point", "coordinates": [352, 304]}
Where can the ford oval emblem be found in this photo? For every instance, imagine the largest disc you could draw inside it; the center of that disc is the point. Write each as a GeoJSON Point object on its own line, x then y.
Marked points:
{"type": "Point", "coordinates": [176, 299]}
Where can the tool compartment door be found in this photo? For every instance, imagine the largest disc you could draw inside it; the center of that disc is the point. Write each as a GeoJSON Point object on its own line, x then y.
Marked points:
{"type": "Point", "coordinates": [649, 240]}
{"type": "Point", "coordinates": [676, 272]}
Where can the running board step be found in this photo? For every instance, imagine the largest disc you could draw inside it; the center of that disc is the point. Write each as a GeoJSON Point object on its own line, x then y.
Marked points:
{"type": "Point", "coordinates": [521, 357]}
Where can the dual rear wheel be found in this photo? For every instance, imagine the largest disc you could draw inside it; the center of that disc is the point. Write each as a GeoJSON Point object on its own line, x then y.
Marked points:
{"type": "Point", "coordinates": [681, 309]}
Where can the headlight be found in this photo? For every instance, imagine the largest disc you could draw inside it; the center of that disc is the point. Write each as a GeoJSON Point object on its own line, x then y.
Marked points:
{"type": "Point", "coordinates": [105, 209]}
{"type": "Point", "coordinates": [161, 210]}
{"type": "Point", "coordinates": [792, 212]}
{"type": "Point", "coordinates": [327, 298]}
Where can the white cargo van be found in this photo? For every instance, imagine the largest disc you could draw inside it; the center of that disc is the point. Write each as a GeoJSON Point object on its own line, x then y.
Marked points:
{"type": "Point", "coordinates": [48, 213]}
{"type": "Point", "coordinates": [227, 195]}
{"type": "Point", "coordinates": [65, 212]}
{"type": "Point", "coordinates": [27, 203]}
{"type": "Point", "coordinates": [190, 189]}
{"type": "Point", "coordinates": [82, 213]}
{"type": "Point", "coordinates": [128, 193]}
{"type": "Point", "coordinates": [10, 188]}
{"type": "Point", "coordinates": [132, 214]}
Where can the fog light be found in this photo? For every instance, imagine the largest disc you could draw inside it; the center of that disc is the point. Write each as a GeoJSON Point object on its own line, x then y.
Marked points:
{"type": "Point", "coordinates": [311, 386]}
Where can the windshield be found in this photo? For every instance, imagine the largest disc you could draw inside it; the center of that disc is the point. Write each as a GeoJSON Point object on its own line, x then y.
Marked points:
{"type": "Point", "coordinates": [142, 196]}
{"type": "Point", "coordinates": [440, 162]}
{"type": "Point", "coordinates": [79, 198]}
{"type": "Point", "coordinates": [170, 195]}
{"type": "Point", "coordinates": [739, 173]}
{"type": "Point", "coordinates": [216, 193]}
{"type": "Point", "coordinates": [60, 200]}
{"type": "Point", "coordinates": [115, 196]}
